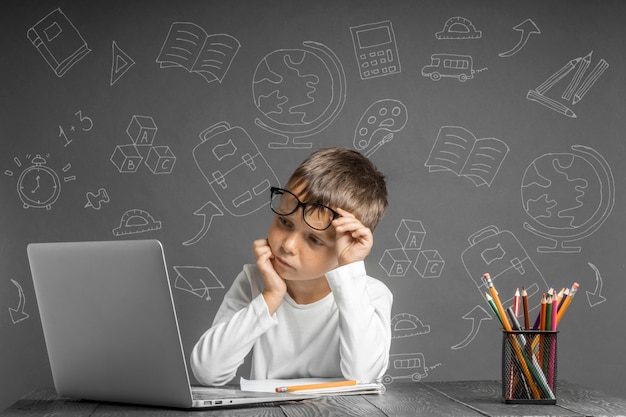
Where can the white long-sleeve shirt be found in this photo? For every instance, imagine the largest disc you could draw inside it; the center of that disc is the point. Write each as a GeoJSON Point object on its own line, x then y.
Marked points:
{"type": "Point", "coordinates": [346, 334]}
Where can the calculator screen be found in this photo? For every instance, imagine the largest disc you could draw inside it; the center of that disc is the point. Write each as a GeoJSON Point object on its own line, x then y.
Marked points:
{"type": "Point", "coordinates": [374, 37]}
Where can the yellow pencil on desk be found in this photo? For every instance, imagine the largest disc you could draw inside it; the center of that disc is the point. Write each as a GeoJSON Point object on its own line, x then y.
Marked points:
{"type": "Point", "coordinates": [333, 384]}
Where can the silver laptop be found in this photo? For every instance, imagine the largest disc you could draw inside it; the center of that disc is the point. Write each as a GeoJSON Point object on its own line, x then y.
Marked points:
{"type": "Point", "coordinates": [110, 327]}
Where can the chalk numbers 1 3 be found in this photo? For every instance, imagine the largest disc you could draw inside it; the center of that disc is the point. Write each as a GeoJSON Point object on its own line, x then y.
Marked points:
{"type": "Point", "coordinates": [85, 124]}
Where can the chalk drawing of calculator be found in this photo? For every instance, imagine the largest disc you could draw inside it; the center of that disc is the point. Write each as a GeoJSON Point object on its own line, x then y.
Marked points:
{"type": "Point", "coordinates": [375, 49]}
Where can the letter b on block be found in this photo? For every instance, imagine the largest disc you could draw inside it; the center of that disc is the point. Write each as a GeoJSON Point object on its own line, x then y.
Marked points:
{"type": "Point", "coordinates": [126, 158]}
{"type": "Point", "coordinates": [395, 262]}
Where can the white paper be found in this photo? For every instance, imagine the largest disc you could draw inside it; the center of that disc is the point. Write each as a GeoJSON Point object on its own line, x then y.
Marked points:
{"type": "Point", "coordinates": [270, 385]}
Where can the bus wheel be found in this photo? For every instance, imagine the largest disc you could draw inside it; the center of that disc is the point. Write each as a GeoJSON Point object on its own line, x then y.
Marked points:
{"type": "Point", "coordinates": [435, 76]}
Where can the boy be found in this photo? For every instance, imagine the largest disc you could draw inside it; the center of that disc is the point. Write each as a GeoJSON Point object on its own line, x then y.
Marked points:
{"type": "Point", "coordinates": [307, 308]}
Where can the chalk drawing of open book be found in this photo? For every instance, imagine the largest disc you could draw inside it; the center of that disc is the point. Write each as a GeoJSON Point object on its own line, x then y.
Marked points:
{"type": "Point", "coordinates": [458, 150]}
{"type": "Point", "coordinates": [188, 46]}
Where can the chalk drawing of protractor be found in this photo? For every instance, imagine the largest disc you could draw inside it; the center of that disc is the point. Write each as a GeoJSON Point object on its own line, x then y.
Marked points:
{"type": "Point", "coordinates": [459, 28]}
{"type": "Point", "coordinates": [407, 325]}
{"type": "Point", "coordinates": [378, 124]}
{"type": "Point", "coordinates": [136, 221]}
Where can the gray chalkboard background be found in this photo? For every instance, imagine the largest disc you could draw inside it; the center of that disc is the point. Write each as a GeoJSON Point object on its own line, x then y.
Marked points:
{"type": "Point", "coordinates": [499, 125]}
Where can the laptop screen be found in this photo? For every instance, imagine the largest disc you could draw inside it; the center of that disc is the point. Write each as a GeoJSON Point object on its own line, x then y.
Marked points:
{"type": "Point", "coordinates": [109, 321]}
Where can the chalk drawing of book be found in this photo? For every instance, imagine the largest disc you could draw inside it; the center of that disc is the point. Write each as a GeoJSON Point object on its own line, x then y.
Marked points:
{"type": "Point", "coordinates": [188, 46]}
{"type": "Point", "coordinates": [458, 150]}
{"type": "Point", "coordinates": [58, 42]}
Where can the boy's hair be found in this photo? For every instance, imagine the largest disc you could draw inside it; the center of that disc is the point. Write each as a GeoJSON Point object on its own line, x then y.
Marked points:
{"type": "Point", "coordinates": [341, 177]}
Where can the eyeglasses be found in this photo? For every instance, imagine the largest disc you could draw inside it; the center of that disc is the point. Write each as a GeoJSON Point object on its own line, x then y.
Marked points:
{"type": "Point", "coordinates": [315, 215]}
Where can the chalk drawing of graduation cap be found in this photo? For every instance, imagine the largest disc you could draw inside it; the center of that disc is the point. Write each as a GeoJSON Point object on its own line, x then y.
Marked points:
{"type": "Point", "coordinates": [197, 280]}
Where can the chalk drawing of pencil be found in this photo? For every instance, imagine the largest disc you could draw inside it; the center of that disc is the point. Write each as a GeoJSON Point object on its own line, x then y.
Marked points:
{"type": "Point", "coordinates": [550, 103]}
{"type": "Point", "coordinates": [593, 76]}
{"type": "Point", "coordinates": [557, 76]}
{"type": "Point", "coordinates": [580, 71]}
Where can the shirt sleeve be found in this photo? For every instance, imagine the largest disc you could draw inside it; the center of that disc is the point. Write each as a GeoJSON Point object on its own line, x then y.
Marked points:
{"type": "Point", "coordinates": [241, 319]}
{"type": "Point", "coordinates": [364, 306]}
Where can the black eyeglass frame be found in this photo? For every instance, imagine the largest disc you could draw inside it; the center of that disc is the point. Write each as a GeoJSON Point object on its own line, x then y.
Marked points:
{"type": "Point", "coordinates": [276, 190]}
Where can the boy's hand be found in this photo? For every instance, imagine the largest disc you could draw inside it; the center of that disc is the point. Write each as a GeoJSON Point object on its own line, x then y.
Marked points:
{"type": "Point", "coordinates": [353, 240]}
{"type": "Point", "coordinates": [274, 287]}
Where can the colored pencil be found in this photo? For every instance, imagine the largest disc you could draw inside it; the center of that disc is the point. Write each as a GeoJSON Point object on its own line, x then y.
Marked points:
{"type": "Point", "coordinates": [516, 302]}
{"type": "Point", "coordinates": [525, 306]}
{"type": "Point", "coordinates": [516, 348]}
{"type": "Point", "coordinates": [552, 353]}
{"type": "Point", "coordinates": [303, 387]}
{"type": "Point", "coordinates": [489, 299]}
{"type": "Point", "coordinates": [566, 303]}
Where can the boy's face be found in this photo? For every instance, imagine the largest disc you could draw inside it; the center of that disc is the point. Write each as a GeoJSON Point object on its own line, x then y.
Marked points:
{"type": "Point", "coordinates": [301, 252]}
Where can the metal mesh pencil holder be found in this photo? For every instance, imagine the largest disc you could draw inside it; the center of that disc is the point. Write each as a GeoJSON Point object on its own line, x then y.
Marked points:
{"type": "Point", "coordinates": [529, 365]}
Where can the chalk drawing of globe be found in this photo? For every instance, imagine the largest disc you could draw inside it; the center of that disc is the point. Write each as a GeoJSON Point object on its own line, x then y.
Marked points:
{"type": "Point", "coordinates": [567, 196]}
{"type": "Point", "coordinates": [298, 92]}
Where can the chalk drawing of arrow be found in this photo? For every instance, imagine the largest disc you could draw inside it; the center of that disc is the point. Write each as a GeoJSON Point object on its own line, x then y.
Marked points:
{"type": "Point", "coordinates": [18, 314]}
{"type": "Point", "coordinates": [527, 27]}
{"type": "Point", "coordinates": [477, 313]}
{"type": "Point", "coordinates": [207, 212]}
{"type": "Point", "coordinates": [596, 297]}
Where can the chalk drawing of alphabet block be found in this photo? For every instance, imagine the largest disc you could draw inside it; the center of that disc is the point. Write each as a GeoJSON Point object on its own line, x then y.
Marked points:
{"type": "Point", "coordinates": [142, 130]}
{"type": "Point", "coordinates": [160, 160]}
{"type": "Point", "coordinates": [429, 264]}
{"type": "Point", "coordinates": [411, 234]}
{"type": "Point", "coordinates": [395, 262]}
{"type": "Point", "coordinates": [126, 158]}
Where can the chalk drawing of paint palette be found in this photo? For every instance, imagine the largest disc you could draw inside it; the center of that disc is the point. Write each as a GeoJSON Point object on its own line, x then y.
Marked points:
{"type": "Point", "coordinates": [378, 124]}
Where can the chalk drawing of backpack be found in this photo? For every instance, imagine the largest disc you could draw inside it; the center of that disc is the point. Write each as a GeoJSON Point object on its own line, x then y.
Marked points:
{"type": "Point", "coordinates": [500, 254]}
{"type": "Point", "coordinates": [234, 168]}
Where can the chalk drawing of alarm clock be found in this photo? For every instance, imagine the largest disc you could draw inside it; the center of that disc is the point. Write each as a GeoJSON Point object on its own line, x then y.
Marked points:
{"type": "Point", "coordinates": [38, 186]}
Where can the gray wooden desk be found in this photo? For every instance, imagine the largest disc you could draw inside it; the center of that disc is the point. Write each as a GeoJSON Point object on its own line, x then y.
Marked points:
{"type": "Point", "coordinates": [468, 398]}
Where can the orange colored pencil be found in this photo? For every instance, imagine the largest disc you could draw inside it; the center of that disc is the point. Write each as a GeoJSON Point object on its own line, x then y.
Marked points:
{"type": "Point", "coordinates": [303, 387]}
{"type": "Point", "coordinates": [566, 303]}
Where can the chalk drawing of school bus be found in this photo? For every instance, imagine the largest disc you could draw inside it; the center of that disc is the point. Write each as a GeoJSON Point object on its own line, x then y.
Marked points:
{"type": "Point", "coordinates": [405, 365]}
{"type": "Point", "coordinates": [449, 65]}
